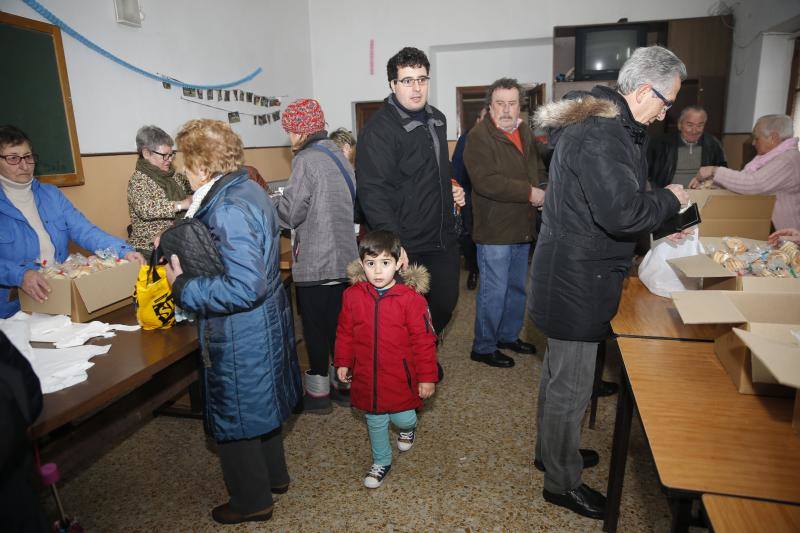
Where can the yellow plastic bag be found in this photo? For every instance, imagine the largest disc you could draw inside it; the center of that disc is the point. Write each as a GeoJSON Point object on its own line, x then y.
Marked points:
{"type": "Point", "coordinates": [153, 298]}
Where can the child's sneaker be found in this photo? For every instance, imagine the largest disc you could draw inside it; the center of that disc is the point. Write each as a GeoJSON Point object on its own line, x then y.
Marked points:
{"type": "Point", "coordinates": [376, 475]}
{"type": "Point", "coordinates": [405, 439]}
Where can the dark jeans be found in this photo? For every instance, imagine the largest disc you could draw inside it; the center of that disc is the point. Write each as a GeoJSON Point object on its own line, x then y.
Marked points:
{"type": "Point", "coordinates": [319, 311]}
{"type": "Point", "coordinates": [443, 296]}
{"type": "Point", "coordinates": [564, 393]}
{"type": "Point", "coordinates": [251, 467]}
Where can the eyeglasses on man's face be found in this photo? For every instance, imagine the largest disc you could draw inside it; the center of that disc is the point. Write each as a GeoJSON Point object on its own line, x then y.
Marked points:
{"type": "Point", "coordinates": [422, 81]}
{"type": "Point", "coordinates": [166, 157]}
{"type": "Point", "coordinates": [15, 160]}
{"type": "Point", "coordinates": [667, 103]}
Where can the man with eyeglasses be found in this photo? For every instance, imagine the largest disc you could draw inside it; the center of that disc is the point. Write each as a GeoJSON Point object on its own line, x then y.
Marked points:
{"type": "Point", "coordinates": [36, 224]}
{"type": "Point", "coordinates": [675, 157]}
{"type": "Point", "coordinates": [595, 209]}
{"type": "Point", "coordinates": [404, 179]}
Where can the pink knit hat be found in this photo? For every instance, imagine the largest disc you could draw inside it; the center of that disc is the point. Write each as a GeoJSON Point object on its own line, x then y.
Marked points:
{"type": "Point", "coordinates": [303, 117]}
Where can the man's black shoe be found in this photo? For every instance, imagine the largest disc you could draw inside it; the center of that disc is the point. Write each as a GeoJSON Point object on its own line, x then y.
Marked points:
{"type": "Point", "coordinates": [496, 358]}
{"type": "Point", "coordinates": [582, 500]}
{"type": "Point", "coordinates": [472, 281]}
{"type": "Point", "coordinates": [607, 388]}
{"type": "Point", "coordinates": [518, 346]}
{"type": "Point", "coordinates": [590, 459]}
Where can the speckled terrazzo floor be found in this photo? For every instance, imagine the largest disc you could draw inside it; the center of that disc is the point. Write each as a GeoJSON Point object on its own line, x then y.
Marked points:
{"type": "Point", "coordinates": [470, 469]}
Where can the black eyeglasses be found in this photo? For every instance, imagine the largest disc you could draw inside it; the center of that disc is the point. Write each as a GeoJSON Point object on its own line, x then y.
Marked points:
{"type": "Point", "coordinates": [667, 103]}
{"type": "Point", "coordinates": [408, 82]}
{"type": "Point", "coordinates": [165, 157]}
{"type": "Point", "coordinates": [15, 160]}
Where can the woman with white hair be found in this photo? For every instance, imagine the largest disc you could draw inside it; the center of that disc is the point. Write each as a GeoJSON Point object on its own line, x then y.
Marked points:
{"type": "Point", "coordinates": [774, 170]}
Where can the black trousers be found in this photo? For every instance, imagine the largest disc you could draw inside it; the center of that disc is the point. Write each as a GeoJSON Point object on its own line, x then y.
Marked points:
{"type": "Point", "coordinates": [251, 467]}
{"type": "Point", "coordinates": [319, 311]}
{"type": "Point", "coordinates": [470, 251]}
{"type": "Point", "coordinates": [443, 296]}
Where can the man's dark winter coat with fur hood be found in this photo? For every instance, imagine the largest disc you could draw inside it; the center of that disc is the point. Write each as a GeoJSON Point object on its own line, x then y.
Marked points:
{"type": "Point", "coordinates": [595, 209]}
{"type": "Point", "coordinates": [387, 341]}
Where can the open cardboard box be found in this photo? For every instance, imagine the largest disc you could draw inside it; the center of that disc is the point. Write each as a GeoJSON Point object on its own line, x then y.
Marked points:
{"type": "Point", "coordinates": [769, 315]}
{"type": "Point", "coordinates": [724, 213]}
{"type": "Point", "coordinates": [776, 356]}
{"type": "Point", "coordinates": [87, 297]}
{"type": "Point", "coordinates": [714, 276]}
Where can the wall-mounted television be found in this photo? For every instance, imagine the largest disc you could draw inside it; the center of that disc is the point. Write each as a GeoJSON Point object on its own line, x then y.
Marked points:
{"type": "Point", "coordinates": [600, 51]}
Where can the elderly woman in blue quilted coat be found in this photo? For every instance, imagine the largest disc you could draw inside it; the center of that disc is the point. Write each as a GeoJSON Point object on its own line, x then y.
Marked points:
{"type": "Point", "coordinates": [252, 376]}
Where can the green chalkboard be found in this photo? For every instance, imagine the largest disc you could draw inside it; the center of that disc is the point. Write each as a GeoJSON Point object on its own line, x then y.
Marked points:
{"type": "Point", "coordinates": [36, 99]}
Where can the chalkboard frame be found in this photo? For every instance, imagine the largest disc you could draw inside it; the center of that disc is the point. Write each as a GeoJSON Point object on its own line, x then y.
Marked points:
{"type": "Point", "coordinates": [70, 178]}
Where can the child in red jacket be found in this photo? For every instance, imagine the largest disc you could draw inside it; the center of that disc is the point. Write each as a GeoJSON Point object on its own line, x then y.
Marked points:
{"type": "Point", "coordinates": [386, 346]}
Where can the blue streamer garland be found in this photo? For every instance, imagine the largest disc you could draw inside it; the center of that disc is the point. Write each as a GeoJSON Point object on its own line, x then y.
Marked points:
{"type": "Point", "coordinates": [44, 12]}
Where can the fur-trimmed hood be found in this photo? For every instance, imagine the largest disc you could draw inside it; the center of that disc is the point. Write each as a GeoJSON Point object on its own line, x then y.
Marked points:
{"type": "Point", "coordinates": [415, 276]}
{"type": "Point", "coordinates": [577, 108]}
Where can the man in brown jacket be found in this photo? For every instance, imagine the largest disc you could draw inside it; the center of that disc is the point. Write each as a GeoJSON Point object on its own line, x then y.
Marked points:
{"type": "Point", "coordinates": [505, 169]}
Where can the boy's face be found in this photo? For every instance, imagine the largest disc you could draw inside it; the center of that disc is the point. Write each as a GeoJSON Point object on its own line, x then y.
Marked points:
{"type": "Point", "coordinates": [380, 270]}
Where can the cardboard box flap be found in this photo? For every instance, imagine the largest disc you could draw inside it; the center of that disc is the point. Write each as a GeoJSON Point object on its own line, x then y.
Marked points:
{"type": "Point", "coordinates": [57, 302]}
{"type": "Point", "coordinates": [756, 207]}
{"type": "Point", "coordinates": [701, 196]}
{"type": "Point", "coordinates": [733, 307]}
{"type": "Point", "coordinates": [106, 286]}
{"type": "Point", "coordinates": [700, 266]}
{"type": "Point", "coordinates": [712, 244]}
{"type": "Point", "coordinates": [780, 359]}
{"type": "Point", "coordinates": [707, 307]}
{"type": "Point", "coordinates": [783, 285]}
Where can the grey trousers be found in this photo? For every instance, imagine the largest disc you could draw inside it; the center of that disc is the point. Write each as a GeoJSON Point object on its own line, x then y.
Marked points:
{"type": "Point", "coordinates": [564, 394]}
{"type": "Point", "coordinates": [251, 467]}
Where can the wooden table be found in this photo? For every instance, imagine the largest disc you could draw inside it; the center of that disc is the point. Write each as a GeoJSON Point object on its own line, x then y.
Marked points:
{"type": "Point", "coordinates": [642, 314]}
{"type": "Point", "coordinates": [134, 358]}
{"type": "Point", "coordinates": [705, 437]}
{"type": "Point", "coordinates": [739, 515]}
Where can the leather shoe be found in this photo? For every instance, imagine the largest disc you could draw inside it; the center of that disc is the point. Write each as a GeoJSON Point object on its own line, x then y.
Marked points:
{"type": "Point", "coordinates": [607, 388]}
{"type": "Point", "coordinates": [518, 346]}
{"type": "Point", "coordinates": [583, 500]}
{"type": "Point", "coordinates": [225, 514]}
{"type": "Point", "coordinates": [496, 358]}
{"type": "Point", "coordinates": [590, 459]}
{"type": "Point", "coordinates": [472, 281]}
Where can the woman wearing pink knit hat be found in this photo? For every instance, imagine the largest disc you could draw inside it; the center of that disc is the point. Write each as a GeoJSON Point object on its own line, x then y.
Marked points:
{"type": "Point", "coordinates": [317, 204]}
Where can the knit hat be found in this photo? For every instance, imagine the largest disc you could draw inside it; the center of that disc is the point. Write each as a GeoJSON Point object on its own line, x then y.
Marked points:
{"type": "Point", "coordinates": [303, 117]}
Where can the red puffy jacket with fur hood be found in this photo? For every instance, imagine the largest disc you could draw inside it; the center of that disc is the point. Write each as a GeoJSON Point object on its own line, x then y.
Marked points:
{"type": "Point", "coordinates": [387, 342]}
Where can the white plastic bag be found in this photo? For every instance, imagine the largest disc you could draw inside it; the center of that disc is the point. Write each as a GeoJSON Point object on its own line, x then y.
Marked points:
{"type": "Point", "coordinates": [658, 276]}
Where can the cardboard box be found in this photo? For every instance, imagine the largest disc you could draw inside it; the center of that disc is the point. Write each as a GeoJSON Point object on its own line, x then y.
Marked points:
{"type": "Point", "coordinates": [724, 213]}
{"type": "Point", "coordinates": [88, 297]}
{"type": "Point", "coordinates": [714, 276]}
{"type": "Point", "coordinates": [776, 356]}
{"type": "Point", "coordinates": [769, 315]}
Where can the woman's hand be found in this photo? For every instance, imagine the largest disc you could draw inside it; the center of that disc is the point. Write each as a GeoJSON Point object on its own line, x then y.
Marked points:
{"type": "Point", "coordinates": [173, 269]}
{"type": "Point", "coordinates": [136, 257]}
{"type": "Point", "coordinates": [459, 196]}
{"type": "Point", "coordinates": [787, 234]}
{"type": "Point", "coordinates": [35, 286]}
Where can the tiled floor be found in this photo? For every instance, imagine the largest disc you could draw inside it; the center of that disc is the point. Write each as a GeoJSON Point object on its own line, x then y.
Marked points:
{"type": "Point", "coordinates": [470, 469]}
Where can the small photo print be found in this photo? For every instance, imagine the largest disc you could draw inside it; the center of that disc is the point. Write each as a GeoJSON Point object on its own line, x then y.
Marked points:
{"type": "Point", "coordinates": [276, 116]}
{"type": "Point", "coordinates": [267, 119]}
{"type": "Point", "coordinates": [264, 101]}
{"type": "Point", "coordinates": [210, 94]}
{"type": "Point", "coordinates": [274, 102]}
{"type": "Point", "coordinates": [233, 117]}
{"type": "Point", "coordinates": [236, 95]}
{"type": "Point", "coordinates": [256, 100]}
{"type": "Point", "coordinates": [199, 93]}
{"type": "Point", "coordinates": [166, 85]}
{"type": "Point", "coordinates": [256, 120]}
{"type": "Point", "coordinates": [188, 91]}
{"type": "Point", "coordinates": [241, 95]}
{"type": "Point", "coordinates": [219, 95]}
{"type": "Point", "coordinates": [227, 96]}
{"type": "Point", "coordinates": [249, 97]}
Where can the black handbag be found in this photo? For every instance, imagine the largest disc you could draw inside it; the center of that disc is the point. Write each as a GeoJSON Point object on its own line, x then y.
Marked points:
{"type": "Point", "coordinates": [191, 240]}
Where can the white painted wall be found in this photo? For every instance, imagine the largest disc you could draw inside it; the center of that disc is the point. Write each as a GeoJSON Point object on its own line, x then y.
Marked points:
{"type": "Point", "coordinates": [194, 41]}
{"type": "Point", "coordinates": [747, 81]}
{"type": "Point", "coordinates": [773, 74]}
{"type": "Point", "coordinates": [341, 31]}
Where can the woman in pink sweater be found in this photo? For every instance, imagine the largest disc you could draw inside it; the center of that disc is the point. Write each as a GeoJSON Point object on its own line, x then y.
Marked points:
{"type": "Point", "coordinates": [774, 170]}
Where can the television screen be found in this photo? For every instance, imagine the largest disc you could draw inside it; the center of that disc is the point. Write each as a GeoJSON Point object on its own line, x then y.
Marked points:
{"type": "Point", "coordinates": [601, 52]}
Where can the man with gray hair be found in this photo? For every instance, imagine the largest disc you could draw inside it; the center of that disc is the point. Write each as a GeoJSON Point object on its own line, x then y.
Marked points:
{"type": "Point", "coordinates": [595, 209]}
{"type": "Point", "coordinates": [676, 156]}
{"type": "Point", "coordinates": [774, 170]}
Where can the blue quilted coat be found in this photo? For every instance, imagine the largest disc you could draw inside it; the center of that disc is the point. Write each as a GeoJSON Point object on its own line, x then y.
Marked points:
{"type": "Point", "coordinates": [252, 377]}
